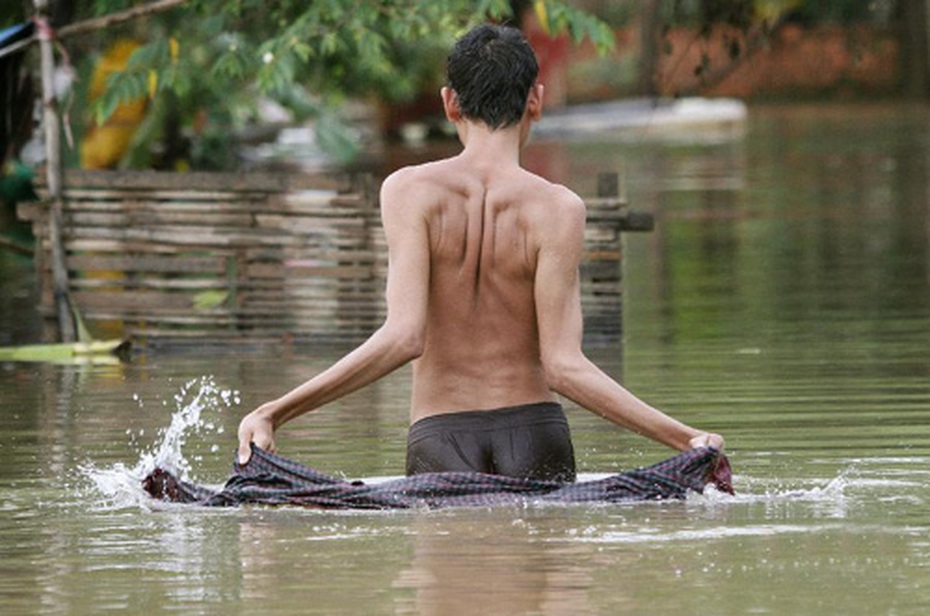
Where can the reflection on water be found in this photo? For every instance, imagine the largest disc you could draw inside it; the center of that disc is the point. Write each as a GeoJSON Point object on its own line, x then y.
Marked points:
{"type": "Point", "coordinates": [784, 299]}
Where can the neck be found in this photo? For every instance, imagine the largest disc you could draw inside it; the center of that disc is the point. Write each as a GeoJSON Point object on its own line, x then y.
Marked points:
{"type": "Point", "coordinates": [496, 148]}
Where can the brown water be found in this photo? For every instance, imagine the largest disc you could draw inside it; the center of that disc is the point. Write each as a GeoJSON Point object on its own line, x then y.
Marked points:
{"type": "Point", "coordinates": [783, 300]}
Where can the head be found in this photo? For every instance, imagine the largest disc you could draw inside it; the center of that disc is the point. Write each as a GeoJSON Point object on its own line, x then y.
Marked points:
{"type": "Point", "coordinates": [491, 73]}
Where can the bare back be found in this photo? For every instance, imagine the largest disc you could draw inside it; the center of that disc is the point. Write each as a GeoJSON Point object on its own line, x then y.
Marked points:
{"type": "Point", "coordinates": [482, 289]}
{"type": "Point", "coordinates": [482, 344]}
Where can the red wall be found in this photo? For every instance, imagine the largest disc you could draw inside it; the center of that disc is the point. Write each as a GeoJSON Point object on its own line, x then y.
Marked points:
{"type": "Point", "coordinates": [792, 62]}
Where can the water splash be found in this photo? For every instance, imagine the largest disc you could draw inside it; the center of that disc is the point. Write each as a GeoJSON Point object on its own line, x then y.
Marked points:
{"type": "Point", "coordinates": [195, 404]}
{"type": "Point", "coordinates": [195, 397]}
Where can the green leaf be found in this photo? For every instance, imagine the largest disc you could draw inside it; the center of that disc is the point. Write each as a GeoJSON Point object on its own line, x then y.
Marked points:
{"type": "Point", "coordinates": [208, 300]}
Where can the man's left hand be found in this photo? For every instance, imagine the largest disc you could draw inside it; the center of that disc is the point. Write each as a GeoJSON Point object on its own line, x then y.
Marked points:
{"type": "Point", "coordinates": [707, 439]}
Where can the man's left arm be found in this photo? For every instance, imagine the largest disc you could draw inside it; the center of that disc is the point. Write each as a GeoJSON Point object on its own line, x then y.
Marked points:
{"type": "Point", "coordinates": [569, 372]}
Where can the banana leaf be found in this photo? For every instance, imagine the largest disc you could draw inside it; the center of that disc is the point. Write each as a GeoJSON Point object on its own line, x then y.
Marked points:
{"type": "Point", "coordinates": [95, 351]}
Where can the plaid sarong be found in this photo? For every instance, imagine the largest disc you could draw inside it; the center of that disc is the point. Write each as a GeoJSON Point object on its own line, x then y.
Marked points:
{"type": "Point", "coordinates": [269, 479]}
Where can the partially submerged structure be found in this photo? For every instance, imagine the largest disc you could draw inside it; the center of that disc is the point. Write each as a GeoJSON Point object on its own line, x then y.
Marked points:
{"type": "Point", "coordinates": [164, 258]}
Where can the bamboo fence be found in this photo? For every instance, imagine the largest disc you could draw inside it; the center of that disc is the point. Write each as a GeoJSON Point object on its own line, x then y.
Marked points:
{"type": "Point", "coordinates": [170, 258]}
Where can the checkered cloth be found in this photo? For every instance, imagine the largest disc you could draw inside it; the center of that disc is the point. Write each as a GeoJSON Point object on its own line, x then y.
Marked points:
{"type": "Point", "coordinates": [269, 479]}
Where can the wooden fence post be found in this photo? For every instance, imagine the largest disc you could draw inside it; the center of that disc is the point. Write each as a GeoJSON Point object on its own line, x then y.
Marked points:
{"type": "Point", "coordinates": [66, 324]}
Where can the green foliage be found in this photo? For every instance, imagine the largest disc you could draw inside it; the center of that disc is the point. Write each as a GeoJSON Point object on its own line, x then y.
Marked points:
{"type": "Point", "coordinates": [579, 24]}
{"type": "Point", "coordinates": [11, 13]}
{"type": "Point", "coordinates": [230, 53]}
{"type": "Point", "coordinates": [17, 184]}
{"type": "Point", "coordinates": [312, 55]}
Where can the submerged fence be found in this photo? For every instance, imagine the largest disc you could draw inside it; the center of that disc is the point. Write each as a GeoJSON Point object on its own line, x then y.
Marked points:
{"type": "Point", "coordinates": [166, 257]}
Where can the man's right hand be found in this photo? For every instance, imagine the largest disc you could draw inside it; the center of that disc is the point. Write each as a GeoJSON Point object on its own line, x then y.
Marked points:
{"type": "Point", "coordinates": [255, 428]}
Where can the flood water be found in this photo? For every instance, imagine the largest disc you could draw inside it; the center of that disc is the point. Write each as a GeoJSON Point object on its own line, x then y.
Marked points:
{"type": "Point", "coordinates": [783, 300]}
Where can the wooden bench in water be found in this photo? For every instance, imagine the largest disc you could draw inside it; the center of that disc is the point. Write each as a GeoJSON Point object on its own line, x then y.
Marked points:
{"type": "Point", "coordinates": [170, 257]}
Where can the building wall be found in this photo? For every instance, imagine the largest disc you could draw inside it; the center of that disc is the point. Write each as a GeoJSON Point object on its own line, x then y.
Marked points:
{"type": "Point", "coordinates": [792, 62]}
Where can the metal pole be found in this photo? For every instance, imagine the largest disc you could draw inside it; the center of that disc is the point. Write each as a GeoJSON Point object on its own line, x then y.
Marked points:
{"type": "Point", "coordinates": [66, 325]}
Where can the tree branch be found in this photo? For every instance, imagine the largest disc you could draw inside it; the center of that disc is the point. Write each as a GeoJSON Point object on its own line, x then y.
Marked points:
{"type": "Point", "coordinates": [99, 23]}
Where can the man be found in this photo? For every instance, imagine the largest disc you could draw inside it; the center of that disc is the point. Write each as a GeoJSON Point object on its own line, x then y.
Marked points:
{"type": "Point", "coordinates": [482, 295]}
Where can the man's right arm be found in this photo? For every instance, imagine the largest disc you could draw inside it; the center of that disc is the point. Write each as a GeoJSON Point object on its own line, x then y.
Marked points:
{"type": "Point", "coordinates": [559, 318]}
{"type": "Point", "coordinates": [396, 342]}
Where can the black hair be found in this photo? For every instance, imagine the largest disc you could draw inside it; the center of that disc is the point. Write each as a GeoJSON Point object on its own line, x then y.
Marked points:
{"type": "Point", "coordinates": [491, 69]}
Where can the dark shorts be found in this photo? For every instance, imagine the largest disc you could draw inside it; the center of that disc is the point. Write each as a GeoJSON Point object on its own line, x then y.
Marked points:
{"type": "Point", "coordinates": [531, 441]}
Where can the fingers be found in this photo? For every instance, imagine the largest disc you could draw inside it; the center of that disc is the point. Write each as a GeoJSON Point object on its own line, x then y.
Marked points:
{"type": "Point", "coordinates": [254, 429]}
{"type": "Point", "coordinates": [707, 439]}
{"type": "Point", "coordinates": [245, 446]}
{"type": "Point", "coordinates": [245, 442]}
{"type": "Point", "coordinates": [245, 453]}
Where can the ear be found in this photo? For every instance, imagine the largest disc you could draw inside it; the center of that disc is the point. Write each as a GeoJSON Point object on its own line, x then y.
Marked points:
{"type": "Point", "coordinates": [450, 103]}
{"type": "Point", "coordinates": [534, 102]}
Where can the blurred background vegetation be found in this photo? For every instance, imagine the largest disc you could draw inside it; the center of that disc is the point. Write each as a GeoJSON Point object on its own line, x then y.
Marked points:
{"type": "Point", "coordinates": [186, 87]}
